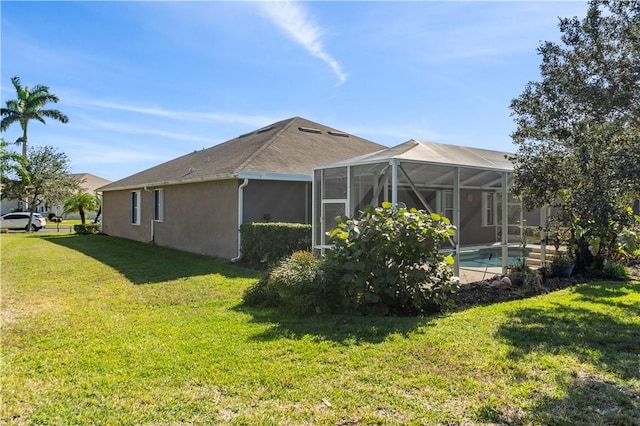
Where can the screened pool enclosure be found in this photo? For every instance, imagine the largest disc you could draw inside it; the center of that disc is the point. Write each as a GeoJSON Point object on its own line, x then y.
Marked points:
{"type": "Point", "coordinates": [470, 186]}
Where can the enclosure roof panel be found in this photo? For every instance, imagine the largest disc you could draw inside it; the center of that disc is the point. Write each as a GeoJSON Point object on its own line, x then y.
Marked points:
{"type": "Point", "coordinates": [436, 153]}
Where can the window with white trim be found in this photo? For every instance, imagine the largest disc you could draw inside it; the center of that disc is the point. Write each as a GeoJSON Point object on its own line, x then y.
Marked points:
{"type": "Point", "coordinates": [489, 208]}
{"type": "Point", "coordinates": [134, 208]}
{"type": "Point", "coordinates": [158, 205]}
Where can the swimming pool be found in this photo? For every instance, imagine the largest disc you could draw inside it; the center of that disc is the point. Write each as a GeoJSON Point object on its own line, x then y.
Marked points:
{"type": "Point", "coordinates": [489, 257]}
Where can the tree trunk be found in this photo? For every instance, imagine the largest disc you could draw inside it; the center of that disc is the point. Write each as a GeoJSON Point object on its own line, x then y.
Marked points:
{"type": "Point", "coordinates": [30, 222]}
{"type": "Point", "coordinates": [24, 141]}
{"type": "Point", "coordinates": [98, 214]}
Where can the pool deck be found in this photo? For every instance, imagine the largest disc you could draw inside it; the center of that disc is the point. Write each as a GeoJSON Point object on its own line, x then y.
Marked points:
{"type": "Point", "coordinates": [470, 275]}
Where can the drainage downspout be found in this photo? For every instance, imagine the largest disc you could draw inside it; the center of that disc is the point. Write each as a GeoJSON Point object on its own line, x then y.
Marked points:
{"type": "Point", "coordinates": [240, 214]}
{"type": "Point", "coordinates": [152, 227]}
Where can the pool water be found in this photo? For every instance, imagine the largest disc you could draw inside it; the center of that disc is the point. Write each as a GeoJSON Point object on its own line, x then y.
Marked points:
{"type": "Point", "coordinates": [484, 258]}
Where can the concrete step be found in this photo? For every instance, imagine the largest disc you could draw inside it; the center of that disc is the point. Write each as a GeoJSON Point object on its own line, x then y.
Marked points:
{"type": "Point", "coordinates": [535, 255]}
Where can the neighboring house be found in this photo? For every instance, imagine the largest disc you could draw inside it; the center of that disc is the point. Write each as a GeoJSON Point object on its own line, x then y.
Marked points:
{"type": "Point", "coordinates": [197, 202]}
{"type": "Point", "coordinates": [8, 206]}
{"type": "Point", "coordinates": [88, 182]}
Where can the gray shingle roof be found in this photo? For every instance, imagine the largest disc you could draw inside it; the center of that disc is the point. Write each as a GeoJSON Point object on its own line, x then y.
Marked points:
{"type": "Point", "coordinates": [90, 182]}
{"type": "Point", "coordinates": [290, 147]}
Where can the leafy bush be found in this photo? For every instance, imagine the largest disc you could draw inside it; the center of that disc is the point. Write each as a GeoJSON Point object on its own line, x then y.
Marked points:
{"type": "Point", "coordinates": [87, 228]}
{"type": "Point", "coordinates": [387, 260]}
{"type": "Point", "coordinates": [266, 243]}
{"type": "Point", "coordinates": [298, 281]}
{"type": "Point", "coordinates": [261, 294]}
{"type": "Point", "coordinates": [615, 270]}
{"type": "Point", "coordinates": [628, 244]}
{"type": "Point", "coordinates": [295, 284]}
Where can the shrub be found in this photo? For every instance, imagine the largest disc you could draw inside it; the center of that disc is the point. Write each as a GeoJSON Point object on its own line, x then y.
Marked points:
{"type": "Point", "coordinates": [298, 281]}
{"type": "Point", "coordinates": [267, 243]}
{"type": "Point", "coordinates": [615, 270]}
{"type": "Point", "coordinates": [388, 260]}
{"type": "Point", "coordinates": [295, 284]}
{"type": "Point", "coordinates": [261, 294]}
{"type": "Point", "coordinates": [518, 271]}
{"type": "Point", "coordinates": [88, 228]}
{"type": "Point", "coordinates": [628, 244]}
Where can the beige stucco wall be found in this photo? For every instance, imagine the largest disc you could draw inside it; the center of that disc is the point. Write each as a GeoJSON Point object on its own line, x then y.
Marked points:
{"type": "Point", "coordinates": [115, 216]}
{"type": "Point", "coordinates": [199, 218]}
{"type": "Point", "coordinates": [471, 230]}
{"type": "Point", "coordinates": [203, 217]}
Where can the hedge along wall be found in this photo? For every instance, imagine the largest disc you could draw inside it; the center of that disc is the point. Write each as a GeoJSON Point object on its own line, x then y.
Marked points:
{"type": "Point", "coordinates": [262, 243]}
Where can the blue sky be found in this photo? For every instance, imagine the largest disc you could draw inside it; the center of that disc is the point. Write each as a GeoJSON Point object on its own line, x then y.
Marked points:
{"type": "Point", "coordinates": [145, 82]}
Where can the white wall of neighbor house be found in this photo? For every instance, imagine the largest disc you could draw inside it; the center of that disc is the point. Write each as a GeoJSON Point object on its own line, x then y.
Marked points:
{"type": "Point", "coordinates": [9, 206]}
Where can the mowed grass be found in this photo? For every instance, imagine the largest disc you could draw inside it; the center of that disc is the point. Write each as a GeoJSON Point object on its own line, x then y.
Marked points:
{"type": "Point", "coordinates": [66, 224]}
{"type": "Point", "coordinates": [100, 330]}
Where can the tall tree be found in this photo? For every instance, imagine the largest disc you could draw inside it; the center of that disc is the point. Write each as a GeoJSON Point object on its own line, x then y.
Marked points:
{"type": "Point", "coordinates": [82, 202]}
{"type": "Point", "coordinates": [29, 106]}
{"type": "Point", "coordinates": [578, 129]}
{"type": "Point", "coordinates": [48, 179]}
{"type": "Point", "coordinates": [12, 165]}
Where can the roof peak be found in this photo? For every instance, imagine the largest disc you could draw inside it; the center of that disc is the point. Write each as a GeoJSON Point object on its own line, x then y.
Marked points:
{"type": "Point", "coordinates": [293, 146]}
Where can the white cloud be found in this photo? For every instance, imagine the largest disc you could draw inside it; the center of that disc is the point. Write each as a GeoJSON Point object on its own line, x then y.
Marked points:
{"type": "Point", "coordinates": [190, 116]}
{"type": "Point", "coordinates": [293, 18]}
{"type": "Point", "coordinates": [121, 127]}
{"type": "Point", "coordinates": [91, 153]}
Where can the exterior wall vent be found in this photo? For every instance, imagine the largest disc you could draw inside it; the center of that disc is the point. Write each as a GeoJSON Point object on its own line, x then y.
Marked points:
{"type": "Point", "coordinates": [336, 133]}
{"type": "Point", "coordinates": [309, 130]}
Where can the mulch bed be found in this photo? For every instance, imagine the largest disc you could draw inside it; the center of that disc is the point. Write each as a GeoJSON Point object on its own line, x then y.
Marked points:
{"type": "Point", "coordinates": [483, 293]}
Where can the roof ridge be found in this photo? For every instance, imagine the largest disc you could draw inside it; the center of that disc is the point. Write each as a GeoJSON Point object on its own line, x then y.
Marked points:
{"type": "Point", "coordinates": [265, 145]}
{"type": "Point", "coordinates": [475, 153]}
{"type": "Point", "coordinates": [406, 146]}
{"type": "Point", "coordinates": [472, 149]}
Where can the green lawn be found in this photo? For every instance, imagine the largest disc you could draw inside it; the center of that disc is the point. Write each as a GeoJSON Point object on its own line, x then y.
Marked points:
{"type": "Point", "coordinates": [65, 225]}
{"type": "Point", "coordinates": [100, 330]}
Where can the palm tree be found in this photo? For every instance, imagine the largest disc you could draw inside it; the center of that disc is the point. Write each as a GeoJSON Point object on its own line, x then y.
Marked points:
{"type": "Point", "coordinates": [11, 164]}
{"type": "Point", "coordinates": [80, 202]}
{"type": "Point", "coordinates": [28, 107]}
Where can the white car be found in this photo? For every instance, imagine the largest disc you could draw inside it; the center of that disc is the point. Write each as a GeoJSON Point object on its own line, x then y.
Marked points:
{"type": "Point", "coordinates": [20, 220]}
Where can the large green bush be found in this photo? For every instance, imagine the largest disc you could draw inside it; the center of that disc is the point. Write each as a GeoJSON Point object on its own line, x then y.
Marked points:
{"type": "Point", "coordinates": [261, 294]}
{"type": "Point", "coordinates": [628, 247]}
{"type": "Point", "coordinates": [298, 281]}
{"type": "Point", "coordinates": [615, 270]}
{"type": "Point", "coordinates": [388, 260]}
{"type": "Point", "coordinates": [267, 243]}
{"type": "Point", "coordinates": [295, 284]}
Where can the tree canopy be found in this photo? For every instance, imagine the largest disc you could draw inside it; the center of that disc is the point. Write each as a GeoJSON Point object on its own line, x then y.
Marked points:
{"type": "Point", "coordinates": [48, 179]}
{"type": "Point", "coordinates": [29, 106]}
{"type": "Point", "coordinates": [11, 165]}
{"type": "Point", "coordinates": [578, 128]}
{"type": "Point", "coordinates": [82, 202]}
